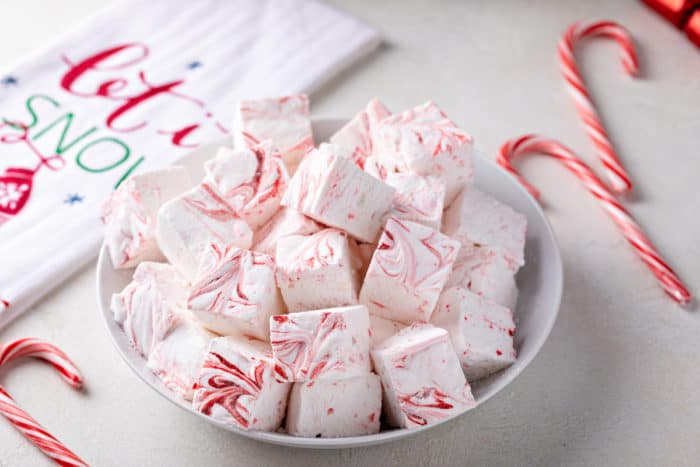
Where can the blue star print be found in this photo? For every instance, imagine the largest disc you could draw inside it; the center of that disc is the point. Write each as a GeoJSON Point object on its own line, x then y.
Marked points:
{"type": "Point", "coordinates": [194, 65]}
{"type": "Point", "coordinates": [9, 81]}
{"type": "Point", "coordinates": [73, 199]}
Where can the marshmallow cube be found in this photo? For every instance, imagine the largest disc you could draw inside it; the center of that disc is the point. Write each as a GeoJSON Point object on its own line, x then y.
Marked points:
{"type": "Point", "coordinates": [417, 199]}
{"type": "Point", "coordinates": [148, 307]}
{"type": "Point", "coordinates": [408, 271]}
{"type": "Point", "coordinates": [332, 190]}
{"type": "Point", "coordinates": [382, 329]}
{"type": "Point", "coordinates": [421, 377]}
{"type": "Point", "coordinates": [129, 214]}
{"type": "Point", "coordinates": [317, 271]}
{"type": "Point", "coordinates": [355, 137]}
{"type": "Point", "coordinates": [330, 409]}
{"type": "Point", "coordinates": [236, 385]}
{"type": "Point", "coordinates": [477, 219]}
{"type": "Point", "coordinates": [322, 344]}
{"type": "Point", "coordinates": [194, 222]}
{"type": "Point", "coordinates": [285, 222]}
{"type": "Point", "coordinates": [423, 141]}
{"type": "Point", "coordinates": [481, 331]}
{"type": "Point", "coordinates": [485, 271]}
{"type": "Point", "coordinates": [235, 293]}
{"type": "Point", "coordinates": [178, 358]}
{"type": "Point", "coordinates": [250, 180]}
{"type": "Point", "coordinates": [284, 120]}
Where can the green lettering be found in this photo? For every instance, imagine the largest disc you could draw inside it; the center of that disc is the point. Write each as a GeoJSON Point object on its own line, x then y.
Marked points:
{"type": "Point", "coordinates": [60, 148]}
{"type": "Point", "coordinates": [93, 169]}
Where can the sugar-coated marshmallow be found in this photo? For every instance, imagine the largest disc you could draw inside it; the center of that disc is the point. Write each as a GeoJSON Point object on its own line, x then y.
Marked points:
{"type": "Point", "coordinates": [421, 376]}
{"type": "Point", "coordinates": [477, 219]}
{"type": "Point", "coordinates": [322, 344]}
{"type": "Point", "coordinates": [408, 271]}
{"type": "Point", "coordinates": [485, 271]}
{"type": "Point", "coordinates": [424, 141]}
{"type": "Point", "coordinates": [417, 199]}
{"type": "Point", "coordinates": [236, 385]}
{"type": "Point", "coordinates": [130, 212]}
{"type": "Point", "coordinates": [285, 222]}
{"type": "Point", "coordinates": [148, 307]}
{"type": "Point", "coordinates": [177, 359]}
{"type": "Point", "coordinates": [191, 223]}
{"type": "Point", "coordinates": [284, 120]}
{"type": "Point", "coordinates": [481, 331]}
{"type": "Point", "coordinates": [317, 271]}
{"type": "Point", "coordinates": [250, 180]}
{"type": "Point", "coordinates": [329, 409]}
{"type": "Point", "coordinates": [332, 190]}
{"type": "Point", "coordinates": [355, 136]}
{"type": "Point", "coordinates": [235, 292]}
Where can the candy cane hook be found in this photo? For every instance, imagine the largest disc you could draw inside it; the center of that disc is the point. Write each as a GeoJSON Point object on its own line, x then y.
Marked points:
{"type": "Point", "coordinates": [619, 180]}
{"type": "Point", "coordinates": [528, 144]}
{"type": "Point", "coordinates": [22, 421]}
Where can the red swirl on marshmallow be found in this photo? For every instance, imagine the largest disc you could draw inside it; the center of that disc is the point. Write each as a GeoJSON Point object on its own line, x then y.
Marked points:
{"type": "Point", "coordinates": [421, 376]}
{"type": "Point", "coordinates": [148, 307]}
{"type": "Point", "coordinates": [236, 385]}
{"type": "Point", "coordinates": [129, 214]}
{"type": "Point", "coordinates": [408, 270]}
{"type": "Point", "coordinates": [284, 120]}
{"type": "Point", "coordinates": [423, 141]}
{"type": "Point", "coordinates": [321, 344]}
{"type": "Point", "coordinates": [235, 292]}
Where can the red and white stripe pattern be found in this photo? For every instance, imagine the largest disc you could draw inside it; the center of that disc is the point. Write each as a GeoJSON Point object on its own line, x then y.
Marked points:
{"type": "Point", "coordinates": [22, 421]}
{"type": "Point", "coordinates": [528, 144]}
{"type": "Point", "coordinates": [619, 180]}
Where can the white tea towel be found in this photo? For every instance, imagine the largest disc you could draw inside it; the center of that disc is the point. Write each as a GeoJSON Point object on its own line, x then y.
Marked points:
{"type": "Point", "coordinates": [135, 88]}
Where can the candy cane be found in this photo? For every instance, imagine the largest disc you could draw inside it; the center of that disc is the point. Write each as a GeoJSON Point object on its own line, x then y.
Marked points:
{"type": "Point", "coordinates": [527, 144]}
{"type": "Point", "coordinates": [22, 421]}
{"type": "Point", "coordinates": [619, 180]}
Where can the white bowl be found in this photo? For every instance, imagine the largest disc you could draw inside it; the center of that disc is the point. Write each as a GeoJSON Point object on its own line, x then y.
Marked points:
{"type": "Point", "coordinates": [539, 281]}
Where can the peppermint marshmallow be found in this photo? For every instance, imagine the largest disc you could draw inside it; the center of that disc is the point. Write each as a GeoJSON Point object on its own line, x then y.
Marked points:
{"type": "Point", "coordinates": [235, 293]}
{"type": "Point", "coordinates": [285, 222]}
{"type": "Point", "coordinates": [192, 223]}
{"type": "Point", "coordinates": [421, 377]}
{"type": "Point", "coordinates": [148, 307]}
{"type": "Point", "coordinates": [481, 331]}
{"type": "Point", "coordinates": [477, 219]}
{"type": "Point", "coordinates": [317, 271]}
{"type": "Point", "coordinates": [329, 409]}
{"type": "Point", "coordinates": [424, 141]}
{"type": "Point", "coordinates": [322, 344]}
{"type": "Point", "coordinates": [236, 385]}
{"type": "Point", "coordinates": [129, 214]}
{"type": "Point", "coordinates": [330, 189]}
{"type": "Point", "coordinates": [177, 359]}
{"type": "Point", "coordinates": [250, 180]}
{"type": "Point", "coordinates": [408, 271]}
{"type": "Point", "coordinates": [284, 120]}
{"type": "Point", "coordinates": [382, 329]}
{"type": "Point", "coordinates": [355, 137]}
{"type": "Point", "coordinates": [485, 271]}
{"type": "Point", "coordinates": [417, 199]}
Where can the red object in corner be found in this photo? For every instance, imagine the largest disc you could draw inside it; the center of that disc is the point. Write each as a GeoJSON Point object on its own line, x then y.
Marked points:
{"type": "Point", "coordinates": [675, 11]}
{"type": "Point", "coordinates": [692, 28]}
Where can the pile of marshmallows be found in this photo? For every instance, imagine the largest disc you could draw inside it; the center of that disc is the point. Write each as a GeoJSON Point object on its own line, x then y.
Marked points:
{"type": "Point", "coordinates": [326, 288]}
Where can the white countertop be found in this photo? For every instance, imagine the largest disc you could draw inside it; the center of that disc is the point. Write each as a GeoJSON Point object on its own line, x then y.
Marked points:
{"type": "Point", "coordinates": [617, 382]}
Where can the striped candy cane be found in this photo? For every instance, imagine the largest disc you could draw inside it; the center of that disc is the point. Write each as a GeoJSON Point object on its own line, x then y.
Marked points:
{"type": "Point", "coordinates": [528, 144]}
{"type": "Point", "coordinates": [619, 180]}
{"type": "Point", "coordinates": [22, 421]}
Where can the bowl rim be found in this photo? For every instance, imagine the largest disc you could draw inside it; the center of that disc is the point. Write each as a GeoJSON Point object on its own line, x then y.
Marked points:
{"type": "Point", "coordinates": [349, 441]}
